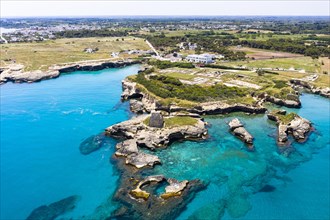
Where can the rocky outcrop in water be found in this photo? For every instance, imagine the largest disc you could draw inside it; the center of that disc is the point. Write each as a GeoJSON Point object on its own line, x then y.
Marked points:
{"type": "Point", "coordinates": [134, 156]}
{"type": "Point", "coordinates": [139, 200]}
{"type": "Point", "coordinates": [52, 211]}
{"type": "Point", "coordinates": [238, 130]}
{"type": "Point", "coordinates": [15, 72]}
{"type": "Point", "coordinates": [136, 193]}
{"type": "Point", "coordinates": [151, 137]}
{"type": "Point", "coordinates": [292, 124]}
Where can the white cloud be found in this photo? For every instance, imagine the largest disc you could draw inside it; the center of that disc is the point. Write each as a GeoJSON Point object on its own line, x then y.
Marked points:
{"type": "Point", "coordinates": [111, 8]}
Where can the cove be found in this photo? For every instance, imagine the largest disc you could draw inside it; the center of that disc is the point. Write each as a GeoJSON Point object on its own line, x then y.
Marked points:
{"type": "Point", "coordinates": [43, 124]}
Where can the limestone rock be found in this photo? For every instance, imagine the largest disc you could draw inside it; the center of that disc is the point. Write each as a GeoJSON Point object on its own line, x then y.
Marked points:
{"type": "Point", "coordinates": [174, 189]}
{"type": "Point", "coordinates": [235, 123]}
{"type": "Point", "coordinates": [299, 127]}
{"type": "Point", "coordinates": [152, 138]}
{"type": "Point", "coordinates": [141, 159]}
{"type": "Point", "coordinates": [136, 106]}
{"type": "Point", "coordinates": [138, 193]}
{"type": "Point", "coordinates": [282, 133]}
{"type": "Point", "coordinates": [243, 134]}
{"type": "Point", "coordinates": [126, 148]}
{"type": "Point", "coordinates": [238, 130]}
{"type": "Point", "coordinates": [156, 120]}
{"type": "Point", "coordinates": [284, 102]}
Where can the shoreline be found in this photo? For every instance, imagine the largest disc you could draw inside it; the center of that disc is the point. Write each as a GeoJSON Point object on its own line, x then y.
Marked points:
{"type": "Point", "coordinates": [15, 73]}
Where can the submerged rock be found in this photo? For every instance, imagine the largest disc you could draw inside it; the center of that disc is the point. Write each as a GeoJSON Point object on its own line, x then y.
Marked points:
{"type": "Point", "coordinates": [92, 144]}
{"type": "Point", "coordinates": [238, 130]}
{"type": "Point", "coordinates": [52, 211]}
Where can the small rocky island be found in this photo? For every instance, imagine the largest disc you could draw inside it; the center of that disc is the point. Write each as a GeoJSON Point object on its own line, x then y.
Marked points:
{"type": "Point", "coordinates": [290, 124]}
{"type": "Point", "coordinates": [238, 130]}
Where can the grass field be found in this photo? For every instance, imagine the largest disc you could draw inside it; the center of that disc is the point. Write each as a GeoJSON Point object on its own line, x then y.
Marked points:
{"type": "Point", "coordinates": [259, 54]}
{"type": "Point", "coordinates": [44, 54]}
{"type": "Point", "coordinates": [302, 63]}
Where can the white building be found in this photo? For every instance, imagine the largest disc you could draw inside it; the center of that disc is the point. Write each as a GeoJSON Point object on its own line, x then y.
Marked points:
{"type": "Point", "coordinates": [202, 58]}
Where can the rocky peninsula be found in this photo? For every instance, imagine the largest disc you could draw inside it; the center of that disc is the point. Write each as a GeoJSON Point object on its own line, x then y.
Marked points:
{"type": "Point", "coordinates": [145, 102]}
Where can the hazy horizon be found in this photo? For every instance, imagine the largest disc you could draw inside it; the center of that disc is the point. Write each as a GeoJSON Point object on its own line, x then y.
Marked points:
{"type": "Point", "coordinates": [25, 9]}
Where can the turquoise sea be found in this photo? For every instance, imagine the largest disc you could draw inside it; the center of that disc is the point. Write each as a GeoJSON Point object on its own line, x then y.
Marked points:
{"type": "Point", "coordinates": [43, 124]}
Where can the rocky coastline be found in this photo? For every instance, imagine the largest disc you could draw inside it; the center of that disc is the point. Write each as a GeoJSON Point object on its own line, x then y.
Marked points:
{"type": "Point", "coordinates": [15, 72]}
{"type": "Point", "coordinates": [301, 84]}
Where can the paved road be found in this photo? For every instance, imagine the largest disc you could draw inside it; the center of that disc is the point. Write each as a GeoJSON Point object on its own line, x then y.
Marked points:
{"type": "Point", "coordinates": [152, 48]}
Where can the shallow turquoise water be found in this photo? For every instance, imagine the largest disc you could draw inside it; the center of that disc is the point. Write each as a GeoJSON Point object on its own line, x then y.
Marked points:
{"type": "Point", "coordinates": [43, 124]}
{"type": "Point", "coordinates": [301, 181]}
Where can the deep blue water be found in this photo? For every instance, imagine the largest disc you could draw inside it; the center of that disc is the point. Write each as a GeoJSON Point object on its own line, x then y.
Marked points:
{"type": "Point", "coordinates": [43, 124]}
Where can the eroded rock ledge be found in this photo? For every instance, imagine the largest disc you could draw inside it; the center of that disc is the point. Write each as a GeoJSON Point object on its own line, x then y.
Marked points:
{"type": "Point", "coordinates": [175, 187]}
{"type": "Point", "coordinates": [292, 124]}
{"type": "Point", "coordinates": [136, 192]}
{"type": "Point", "coordinates": [15, 72]}
{"type": "Point", "coordinates": [298, 83]}
{"type": "Point", "coordinates": [152, 137]}
{"type": "Point", "coordinates": [139, 198]}
{"type": "Point", "coordinates": [144, 102]}
{"type": "Point", "coordinates": [238, 130]}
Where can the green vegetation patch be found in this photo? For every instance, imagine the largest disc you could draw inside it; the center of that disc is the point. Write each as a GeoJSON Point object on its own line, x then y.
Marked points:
{"type": "Point", "coordinates": [284, 119]}
{"type": "Point", "coordinates": [179, 121]}
{"type": "Point", "coordinates": [168, 64]}
{"type": "Point", "coordinates": [169, 87]}
{"type": "Point", "coordinates": [176, 121]}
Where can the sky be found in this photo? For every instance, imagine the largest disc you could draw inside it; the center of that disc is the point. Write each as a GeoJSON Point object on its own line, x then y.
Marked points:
{"type": "Point", "coordinates": [12, 8]}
